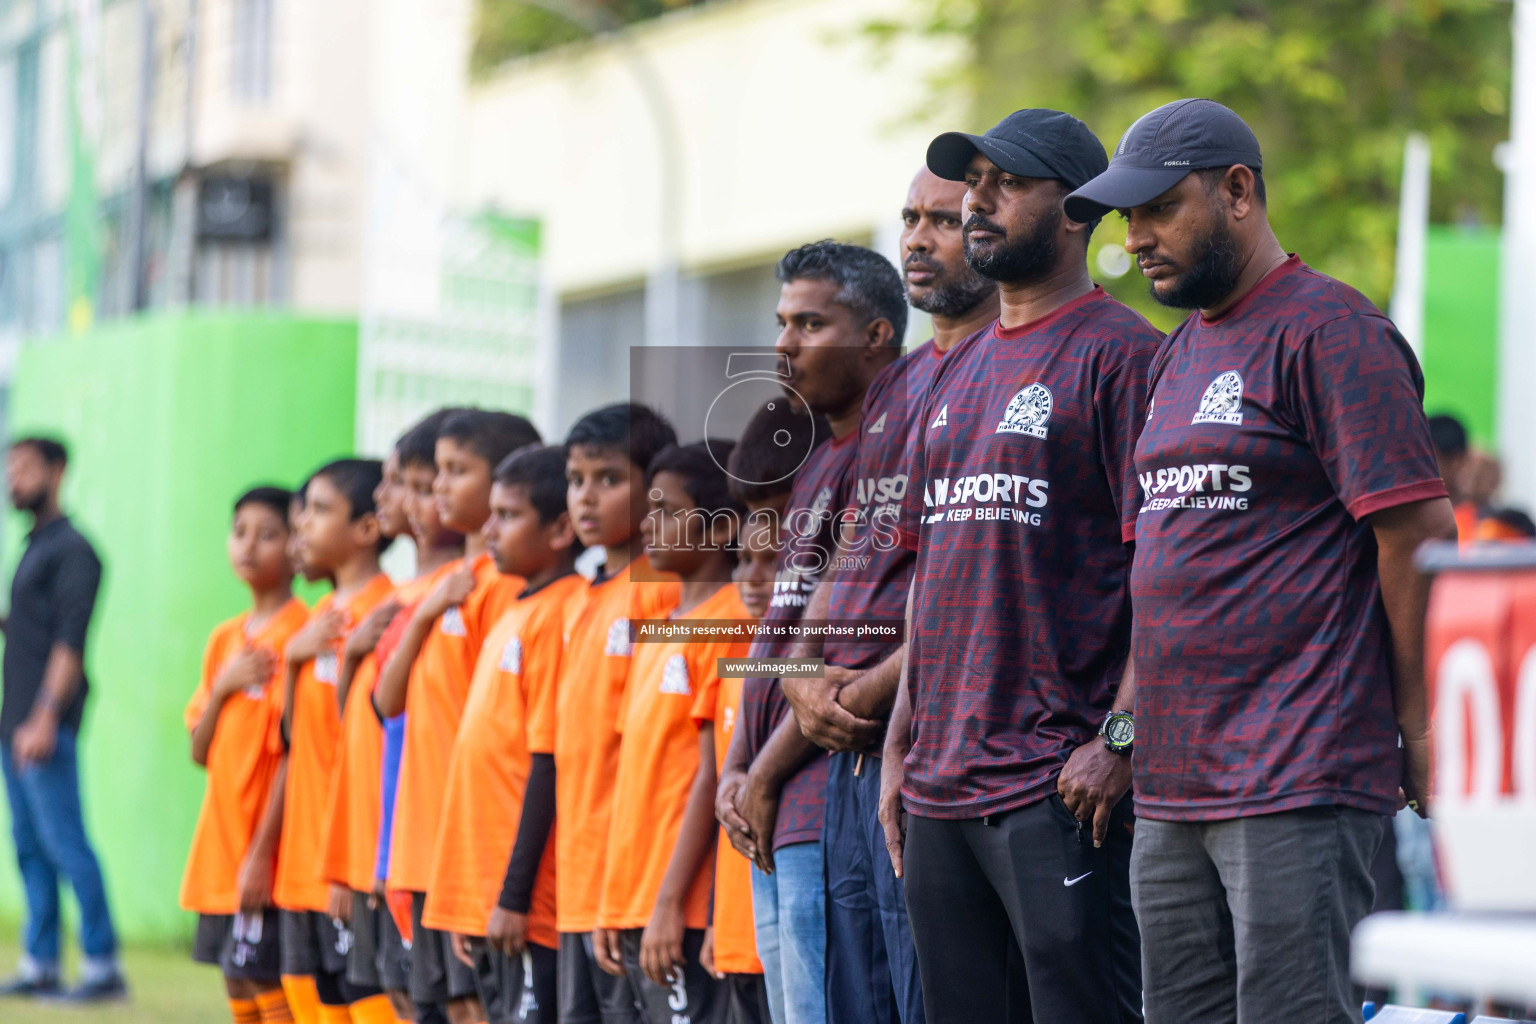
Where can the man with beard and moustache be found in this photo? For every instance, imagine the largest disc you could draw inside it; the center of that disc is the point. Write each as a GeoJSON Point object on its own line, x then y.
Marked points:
{"type": "Point", "coordinates": [1022, 507]}
{"type": "Point", "coordinates": [872, 973]}
{"type": "Point", "coordinates": [1288, 477]}
{"type": "Point", "coordinates": [841, 315]}
{"type": "Point", "coordinates": [53, 594]}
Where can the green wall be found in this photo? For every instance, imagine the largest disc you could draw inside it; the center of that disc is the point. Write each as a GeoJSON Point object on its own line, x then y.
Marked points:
{"type": "Point", "coordinates": [168, 418]}
{"type": "Point", "coordinates": [1461, 327]}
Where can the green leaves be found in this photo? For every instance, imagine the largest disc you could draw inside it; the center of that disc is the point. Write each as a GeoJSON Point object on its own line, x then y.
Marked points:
{"type": "Point", "coordinates": [1331, 87]}
{"type": "Point", "coordinates": [505, 29]}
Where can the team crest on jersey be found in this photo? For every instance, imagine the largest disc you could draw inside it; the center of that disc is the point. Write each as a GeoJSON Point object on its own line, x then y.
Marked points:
{"type": "Point", "coordinates": [1028, 413]}
{"type": "Point", "coordinates": [1223, 401]}
{"type": "Point", "coordinates": [512, 656]}
{"type": "Point", "coordinates": [618, 639]}
{"type": "Point", "coordinates": [942, 419]}
{"type": "Point", "coordinates": [453, 622]}
{"type": "Point", "coordinates": [674, 677]}
{"type": "Point", "coordinates": [325, 668]}
{"type": "Point", "coordinates": [877, 427]}
{"type": "Point", "coordinates": [728, 720]}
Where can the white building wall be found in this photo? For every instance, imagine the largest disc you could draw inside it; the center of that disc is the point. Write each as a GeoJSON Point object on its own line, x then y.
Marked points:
{"type": "Point", "coordinates": [789, 128]}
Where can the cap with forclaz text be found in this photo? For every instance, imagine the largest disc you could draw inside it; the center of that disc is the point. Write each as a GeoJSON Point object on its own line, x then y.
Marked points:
{"type": "Point", "coordinates": [1160, 149]}
{"type": "Point", "coordinates": [1033, 143]}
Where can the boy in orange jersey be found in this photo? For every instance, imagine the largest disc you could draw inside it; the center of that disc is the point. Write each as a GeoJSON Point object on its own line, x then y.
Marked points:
{"type": "Point", "coordinates": [428, 678]}
{"type": "Point", "coordinates": [352, 810]}
{"type": "Point", "coordinates": [762, 472]}
{"type": "Point", "coordinates": [438, 551]}
{"type": "Point", "coordinates": [730, 945]}
{"type": "Point", "coordinates": [659, 874]}
{"type": "Point", "coordinates": [235, 717]}
{"type": "Point", "coordinates": [339, 536]}
{"type": "Point", "coordinates": [498, 803]}
{"type": "Point", "coordinates": [606, 454]}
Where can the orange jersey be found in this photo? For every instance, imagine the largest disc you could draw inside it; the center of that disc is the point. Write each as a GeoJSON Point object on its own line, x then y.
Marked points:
{"type": "Point", "coordinates": [735, 932]}
{"type": "Point", "coordinates": [509, 717]}
{"type": "Point", "coordinates": [671, 690]}
{"type": "Point", "coordinates": [1466, 523]}
{"type": "Point", "coordinates": [434, 701]}
{"type": "Point", "coordinates": [315, 725]}
{"type": "Point", "coordinates": [592, 678]}
{"type": "Point", "coordinates": [243, 759]}
{"type": "Point", "coordinates": [352, 814]}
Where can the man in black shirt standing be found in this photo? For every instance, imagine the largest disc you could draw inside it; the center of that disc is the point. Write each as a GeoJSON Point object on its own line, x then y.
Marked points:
{"type": "Point", "coordinates": [52, 596]}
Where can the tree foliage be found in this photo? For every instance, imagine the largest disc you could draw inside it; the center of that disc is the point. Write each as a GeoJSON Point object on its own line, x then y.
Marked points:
{"type": "Point", "coordinates": [1332, 88]}
{"type": "Point", "coordinates": [505, 29]}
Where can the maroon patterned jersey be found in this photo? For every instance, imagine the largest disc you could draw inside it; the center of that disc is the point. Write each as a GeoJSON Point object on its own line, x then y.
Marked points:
{"type": "Point", "coordinates": [872, 582]}
{"type": "Point", "coordinates": [1263, 655]}
{"type": "Point", "coordinates": [821, 490]}
{"type": "Point", "coordinates": [1022, 502]}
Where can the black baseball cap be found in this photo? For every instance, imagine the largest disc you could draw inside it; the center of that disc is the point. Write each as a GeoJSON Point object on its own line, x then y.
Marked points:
{"type": "Point", "coordinates": [1159, 149]}
{"type": "Point", "coordinates": [1032, 143]}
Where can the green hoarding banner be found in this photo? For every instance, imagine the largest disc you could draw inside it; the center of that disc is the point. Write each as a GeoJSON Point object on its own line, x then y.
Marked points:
{"type": "Point", "coordinates": [168, 419]}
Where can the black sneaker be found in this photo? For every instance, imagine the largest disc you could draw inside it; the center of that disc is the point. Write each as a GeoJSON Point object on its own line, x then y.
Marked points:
{"type": "Point", "coordinates": [21, 987]}
{"type": "Point", "coordinates": [103, 990]}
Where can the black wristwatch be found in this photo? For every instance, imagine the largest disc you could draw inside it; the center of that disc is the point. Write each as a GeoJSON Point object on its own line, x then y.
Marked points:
{"type": "Point", "coordinates": [1119, 732]}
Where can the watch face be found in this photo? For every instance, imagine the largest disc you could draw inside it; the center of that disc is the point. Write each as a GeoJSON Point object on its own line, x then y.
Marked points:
{"type": "Point", "coordinates": [1120, 730]}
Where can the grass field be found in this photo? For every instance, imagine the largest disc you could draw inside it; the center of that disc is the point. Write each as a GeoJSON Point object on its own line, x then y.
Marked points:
{"type": "Point", "coordinates": [165, 987]}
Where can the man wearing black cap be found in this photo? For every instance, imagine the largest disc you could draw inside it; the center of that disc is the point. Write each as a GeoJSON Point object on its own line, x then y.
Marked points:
{"type": "Point", "coordinates": [1021, 506]}
{"type": "Point", "coordinates": [1287, 478]}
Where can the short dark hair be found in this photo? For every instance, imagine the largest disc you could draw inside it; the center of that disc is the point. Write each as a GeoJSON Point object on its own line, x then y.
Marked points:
{"type": "Point", "coordinates": [278, 499]}
{"type": "Point", "coordinates": [1515, 520]}
{"type": "Point", "coordinates": [706, 483]}
{"type": "Point", "coordinates": [866, 282]}
{"type": "Point", "coordinates": [761, 467]}
{"type": "Point", "coordinates": [637, 431]}
{"type": "Point", "coordinates": [51, 449]}
{"type": "Point", "coordinates": [356, 479]}
{"type": "Point", "coordinates": [1447, 435]}
{"type": "Point", "coordinates": [418, 445]}
{"type": "Point", "coordinates": [489, 433]}
{"type": "Point", "coordinates": [1210, 176]}
{"type": "Point", "coordinates": [540, 471]}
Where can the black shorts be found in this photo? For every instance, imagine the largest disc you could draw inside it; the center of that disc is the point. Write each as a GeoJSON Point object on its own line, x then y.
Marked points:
{"type": "Point", "coordinates": [393, 956]}
{"type": "Point", "coordinates": [694, 993]}
{"type": "Point", "coordinates": [363, 958]}
{"type": "Point", "coordinates": [589, 995]}
{"type": "Point", "coordinates": [437, 976]}
{"type": "Point", "coordinates": [243, 946]}
{"type": "Point", "coordinates": [749, 999]}
{"type": "Point", "coordinates": [521, 991]}
{"type": "Point", "coordinates": [313, 945]}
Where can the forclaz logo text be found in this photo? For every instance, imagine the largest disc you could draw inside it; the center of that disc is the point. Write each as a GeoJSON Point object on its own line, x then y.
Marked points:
{"type": "Point", "coordinates": [1006, 491]}
{"type": "Point", "coordinates": [1213, 485]}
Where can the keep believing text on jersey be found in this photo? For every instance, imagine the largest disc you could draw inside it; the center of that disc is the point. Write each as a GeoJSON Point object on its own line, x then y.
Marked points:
{"type": "Point", "coordinates": [1209, 485]}
{"type": "Point", "coordinates": [1013, 495]}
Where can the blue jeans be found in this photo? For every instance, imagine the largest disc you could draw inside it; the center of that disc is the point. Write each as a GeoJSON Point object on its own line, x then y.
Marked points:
{"type": "Point", "coordinates": [872, 975]}
{"type": "Point", "coordinates": [789, 908]}
{"type": "Point", "coordinates": [50, 841]}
